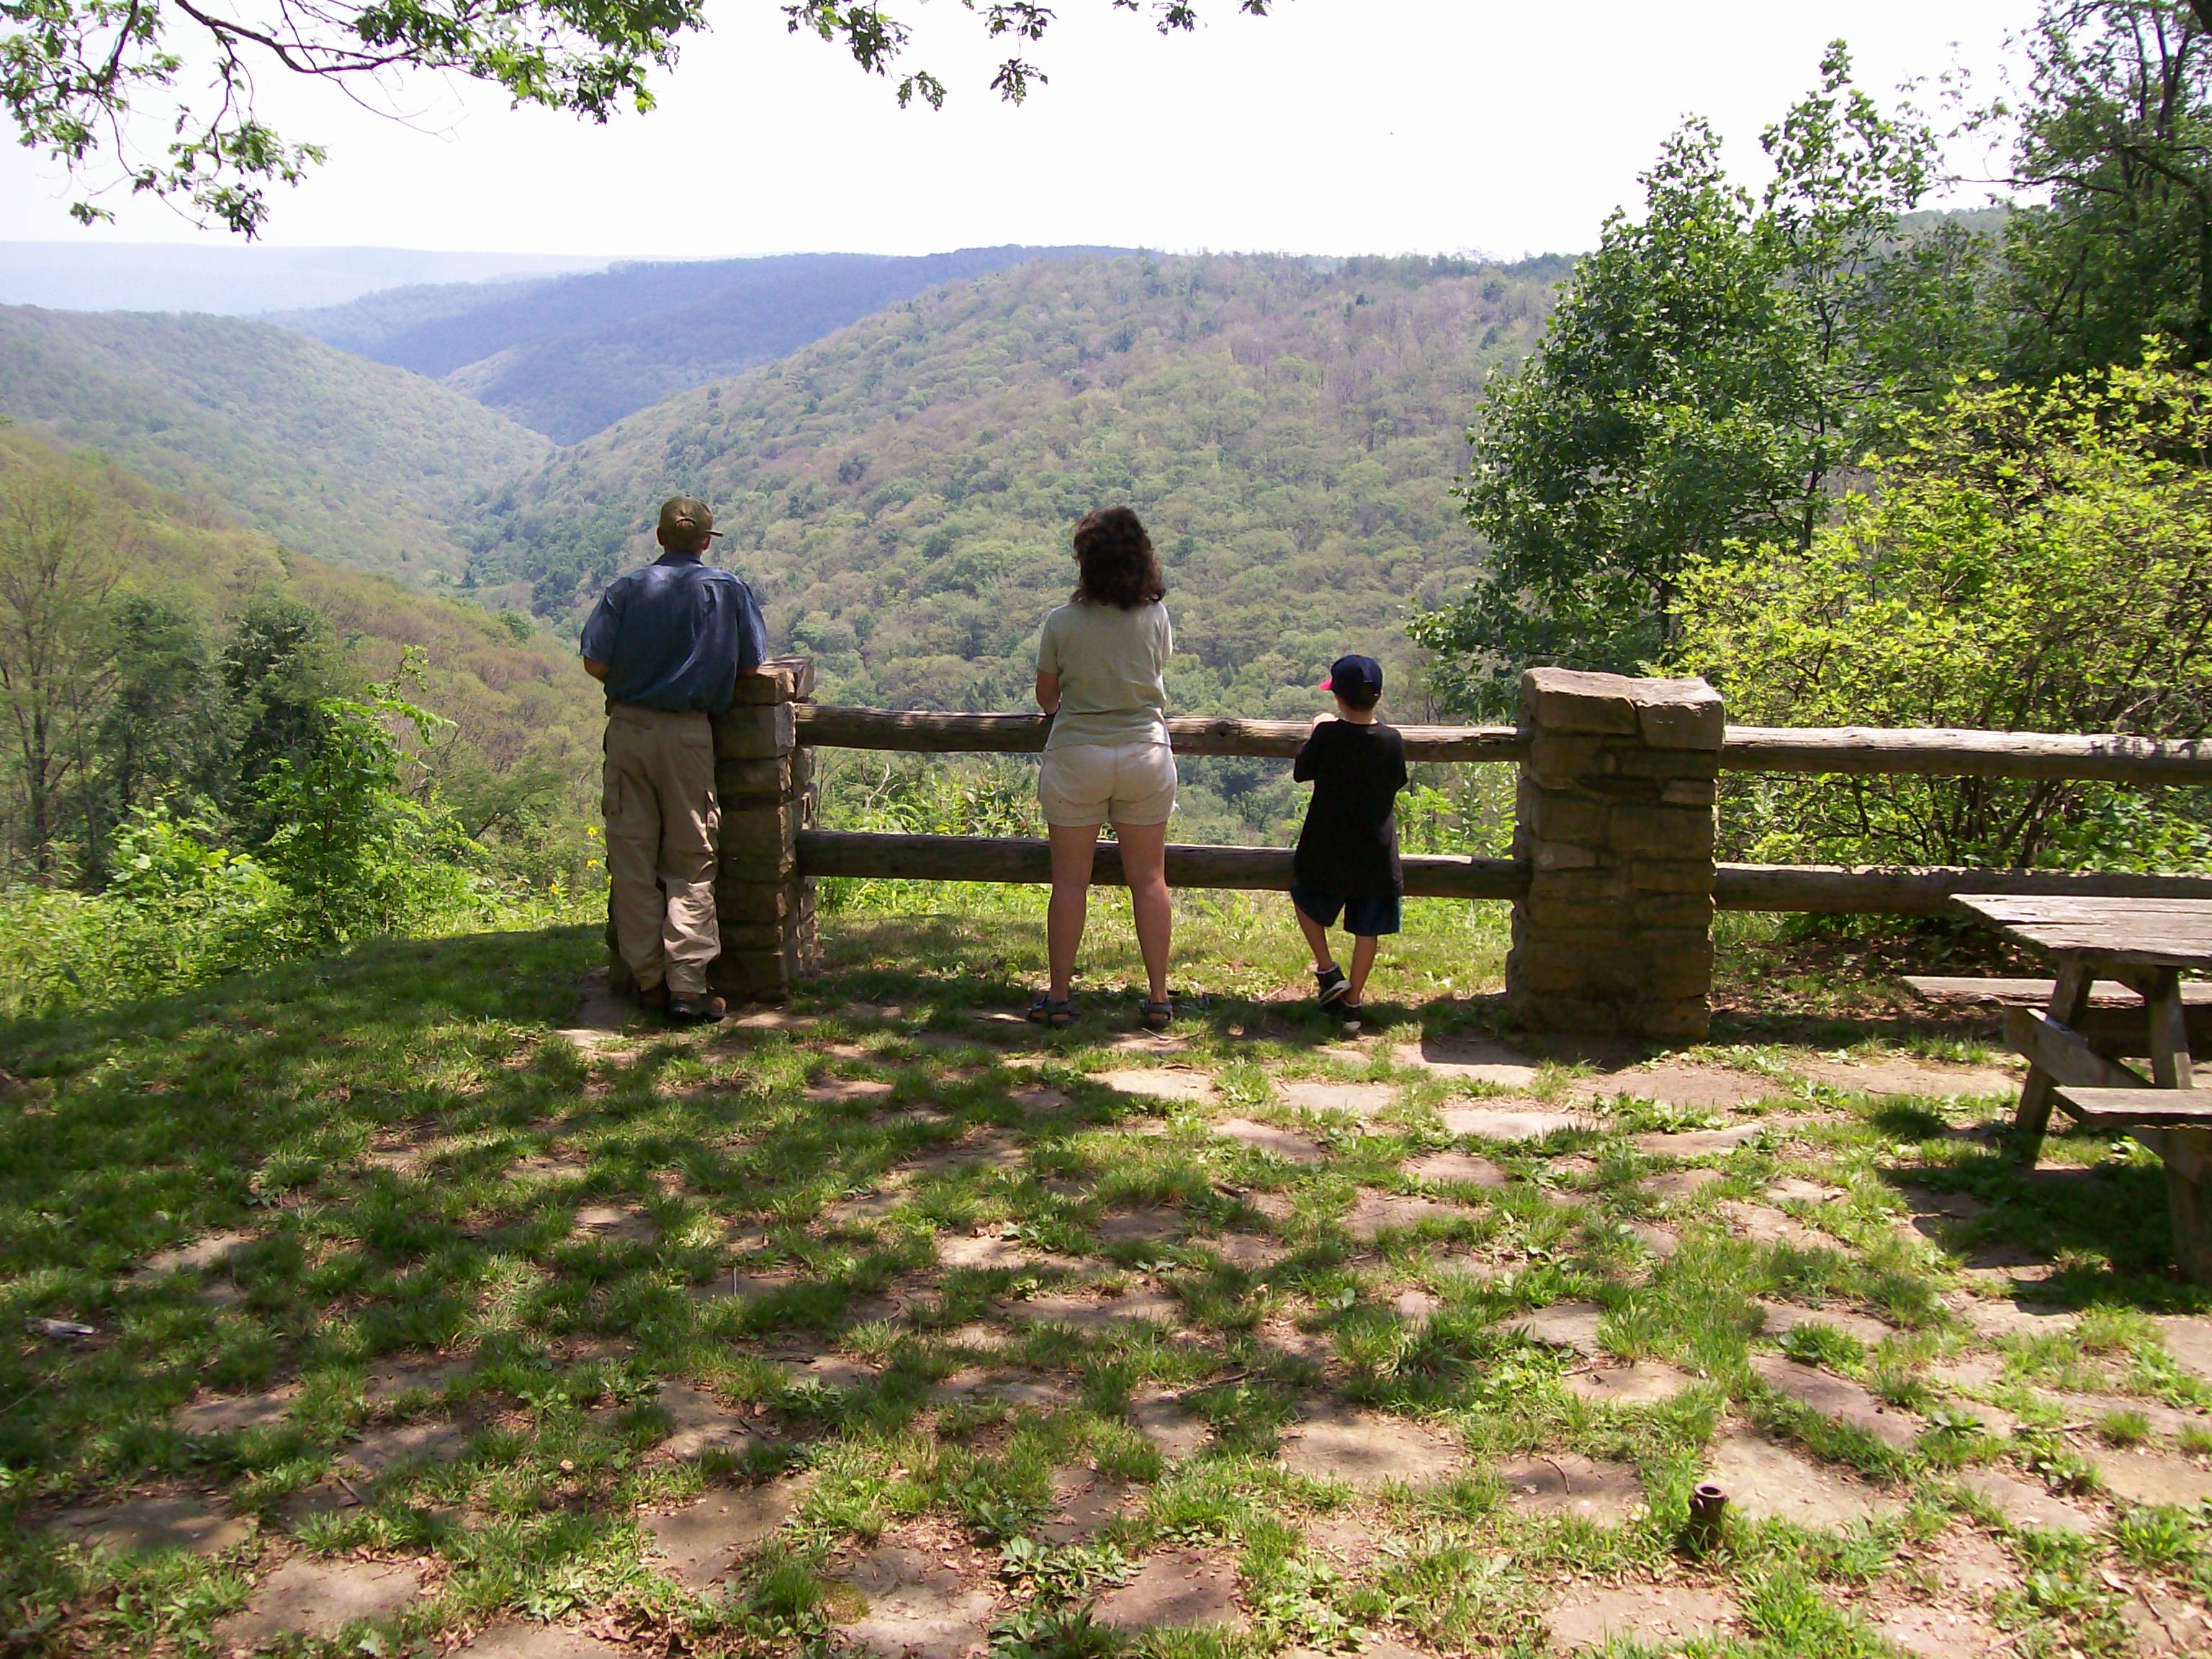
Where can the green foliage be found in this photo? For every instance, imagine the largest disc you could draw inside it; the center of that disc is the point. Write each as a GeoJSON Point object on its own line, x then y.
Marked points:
{"type": "Point", "coordinates": [2115, 134]}
{"type": "Point", "coordinates": [2035, 560]}
{"type": "Point", "coordinates": [1711, 369]}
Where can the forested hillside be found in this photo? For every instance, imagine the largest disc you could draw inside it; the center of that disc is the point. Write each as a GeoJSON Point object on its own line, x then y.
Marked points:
{"type": "Point", "coordinates": [352, 461]}
{"type": "Point", "coordinates": [902, 491]}
{"type": "Point", "coordinates": [569, 356]}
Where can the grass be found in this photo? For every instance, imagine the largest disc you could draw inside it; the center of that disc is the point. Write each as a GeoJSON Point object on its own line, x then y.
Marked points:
{"type": "Point", "coordinates": [406, 1145]}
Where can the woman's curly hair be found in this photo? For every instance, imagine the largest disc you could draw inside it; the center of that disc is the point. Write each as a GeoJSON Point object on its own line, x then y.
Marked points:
{"type": "Point", "coordinates": [1114, 557]}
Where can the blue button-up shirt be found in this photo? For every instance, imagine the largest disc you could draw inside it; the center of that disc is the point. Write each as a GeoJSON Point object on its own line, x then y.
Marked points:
{"type": "Point", "coordinates": [676, 634]}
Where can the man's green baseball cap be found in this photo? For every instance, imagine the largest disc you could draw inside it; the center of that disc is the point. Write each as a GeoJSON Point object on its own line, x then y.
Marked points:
{"type": "Point", "coordinates": [685, 516]}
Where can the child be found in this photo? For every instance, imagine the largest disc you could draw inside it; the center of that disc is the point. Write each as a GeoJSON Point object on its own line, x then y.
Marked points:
{"type": "Point", "coordinates": [1347, 856]}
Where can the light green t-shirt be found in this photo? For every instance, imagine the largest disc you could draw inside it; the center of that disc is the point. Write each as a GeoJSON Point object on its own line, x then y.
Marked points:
{"type": "Point", "coordinates": [1111, 664]}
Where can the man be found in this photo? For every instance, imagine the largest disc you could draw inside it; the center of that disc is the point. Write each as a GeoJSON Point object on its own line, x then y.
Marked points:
{"type": "Point", "coordinates": [669, 642]}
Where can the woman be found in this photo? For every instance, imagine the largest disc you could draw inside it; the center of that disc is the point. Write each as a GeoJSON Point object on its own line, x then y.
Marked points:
{"type": "Point", "coordinates": [1100, 667]}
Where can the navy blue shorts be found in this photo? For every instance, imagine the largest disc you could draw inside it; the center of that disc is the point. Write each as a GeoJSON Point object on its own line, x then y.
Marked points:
{"type": "Point", "coordinates": [1364, 918]}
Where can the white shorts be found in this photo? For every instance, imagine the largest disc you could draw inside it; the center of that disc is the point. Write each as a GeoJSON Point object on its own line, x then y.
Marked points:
{"type": "Point", "coordinates": [1093, 783]}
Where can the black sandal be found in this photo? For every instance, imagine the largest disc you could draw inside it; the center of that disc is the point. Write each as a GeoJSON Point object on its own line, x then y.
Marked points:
{"type": "Point", "coordinates": [1045, 1012]}
{"type": "Point", "coordinates": [1156, 1015]}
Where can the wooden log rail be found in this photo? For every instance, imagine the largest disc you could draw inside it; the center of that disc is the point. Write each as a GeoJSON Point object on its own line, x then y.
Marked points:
{"type": "Point", "coordinates": [1933, 753]}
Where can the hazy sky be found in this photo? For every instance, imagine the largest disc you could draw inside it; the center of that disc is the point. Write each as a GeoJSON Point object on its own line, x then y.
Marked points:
{"type": "Point", "coordinates": [1333, 126]}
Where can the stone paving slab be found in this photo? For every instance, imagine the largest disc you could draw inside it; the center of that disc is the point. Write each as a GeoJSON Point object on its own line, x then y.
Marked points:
{"type": "Point", "coordinates": [2188, 1339]}
{"type": "Point", "coordinates": [1648, 1383]}
{"type": "Point", "coordinates": [1087, 1313]}
{"type": "Point", "coordinates": [1927, 1632]}
{"type": "Point", "coordinates": [2152, 1477]}
{"type": "Point", "coordinates": [1251, 1252]}
{"type": "Point", "coordinates": [1708, 1142]}
{"type": "Point", "coordinates": [1083, 1503]}
{"type": "Point", "coordinates": [986, 1252]}
{"type": "Point", "coordinates": [137, 1526]}
{"type": "Point", "coordinates": [1766, 1481]}
{"type": "Point", "coordinates": [526, 1638]}
{"type": "Point", "coordinates": [1365, 1450]}
{"type": "Point", "coordinates": [1678, 1185]}
{"type": "Point", "coordinates": [1463, 1169]}
{"type": "Point", "coordinates": [917, 1608]}
{"type": "Point", "coordinates": [1373, 1214]}
{"type": "Point", "coordinates": [700, 1422]}
{"type": "Point", "coordinates": [1163, 1418]}
{"type": "Point", "coordinates": [1181, 1589]}
{"type": "Point", "coordinates": [1149, 1225]}
{"type": "Point", "coordinates": [1654, 1615]}
{"type": "Point", "coordinates": [2164, 1625]}
{"type": "Point", "coordinates": [977, 1386]}
{"type": "Point", "coordinates": [2089, 1410]}
{"type": "Point", "coordinates": [847, 1092]}
{"type": "Point", "coordinates": [1469, 1059]}
{"type": "Point", "coordinates": [310, 1596]}
{"type": "Point", "coordinates": [1285, 1144]}
{"type": "Point", "coordinates": [1897, 1074]}
{"type": "Point", "coordinates": [1777, 1317]}
{"type": "Point", "coordinates": [1361, 1100]}
{"type": "Point", "coordinates": [1998, 1318]}
{"type": "Point", "coordinates": [218, 1413]}
{"type": "Point", "coordinates": [395, 1379]}
{"type": "Point", "coordinates": [2024, 1503]}
{"type": "Point", "coordinates": [1838, 1399]}
{"type": "Point", "coordinates": [1568, 1484]}
{"type": "Point", "coordinates": [1168, 1082]}
{"type": "Point", "coordinates": [1562, 1325]}
{"type": "Point", "coordinates": [701, 1541]}
{"type": "Point", "coordinates": [209, 1250]}
{"type": "Point", "coordinates": [1762, 1224]}
{"type": "Point", "coordinates": [1502, 1123]}
{"type": "Point", "coordinates": [379, 1451]}
{"type": "Point", "coordinates": [1683, 1085]}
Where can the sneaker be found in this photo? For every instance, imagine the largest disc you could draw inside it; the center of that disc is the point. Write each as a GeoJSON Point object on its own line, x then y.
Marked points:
{"type": "Point", "coordinates": [1330, 985]}
{"type": "Point", "coordinates": [1350, 1011]}
{"type": "Point", "coordinates": [704, 1009]}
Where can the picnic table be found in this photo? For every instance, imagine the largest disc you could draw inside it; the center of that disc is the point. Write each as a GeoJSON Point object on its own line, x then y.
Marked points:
{"type": "Point", "coordinates": [2146, 945]}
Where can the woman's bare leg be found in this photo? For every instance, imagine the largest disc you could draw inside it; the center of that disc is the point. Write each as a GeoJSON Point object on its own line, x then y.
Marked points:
{"type": "Point", "coordinates": [1072, 849]}
{"type": "Point", "coordinates": [1145, 867]}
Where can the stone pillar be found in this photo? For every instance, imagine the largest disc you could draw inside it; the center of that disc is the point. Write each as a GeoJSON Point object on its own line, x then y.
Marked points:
{"type": "Point", "coordinates": [1613, 820]}
{"type": "Point", "coordinates": [764, 783]}
{"type": "Point", "coordinates": [765, 780]}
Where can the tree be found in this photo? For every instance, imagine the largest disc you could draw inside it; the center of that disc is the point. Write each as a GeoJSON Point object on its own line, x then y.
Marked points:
{"type": "Point", "coordinates": [2036, 559]}
{"type": "Point", "coordinates": [2116, 130]}
{"type": "Point", "coordinates": [165, 727]}
{"type": "Point", "coordinates": [1711, 372]}
{"type": "Point", "coordinates": [278, 668]}
{"type": "Point", "coordinates": [57, 564]}
{"type": "Point", "coordinates": [79, 74]}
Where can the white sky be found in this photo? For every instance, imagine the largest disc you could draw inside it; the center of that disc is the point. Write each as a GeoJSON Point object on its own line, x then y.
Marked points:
{"type": "Point", "coordinates": [1333, 126]}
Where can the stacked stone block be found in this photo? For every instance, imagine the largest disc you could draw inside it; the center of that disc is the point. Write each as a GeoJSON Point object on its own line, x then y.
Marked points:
{"type": "Point", "coordinates": [764, 783]}
{"type": "Point", "coordinates": [1614, 824]}
{"type": "Point", "coordinates": [765, 780]}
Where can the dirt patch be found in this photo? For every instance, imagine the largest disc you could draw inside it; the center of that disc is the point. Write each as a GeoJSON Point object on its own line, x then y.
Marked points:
{"type": "Point", "coordinates": [917, 1608]}
{"type": "Point", "coordinates": [1285, 1144]}
{"type": "Point", "coordinates": [1779, 1316]}
{"type": "Point", "coordinates": [311, 1597]}
{"type": "Point", "coordinates": [1970, 1566]}
{"type": "Point", "coordinates": [1041, 1099]}
{"type": "Point", "coordinates": [1762, 1224]}
{"type": "Point", "coordinates": [1565, 1483]}
{"type": "Point", "coordinates": [1248, 1251]}
{"type": "Point", "coordinates": [410, 1377]}
{"type": "Point", "coordinates": [1683, 1085]}
{"type": "Point", "coordinates": [2023, 1504]}
{"type": "Point", "coordinates": [700, 1543]}
{"type": "Point", "coordinates": [234, 1413]}
{"type": "Point", "coordinates": [1170, 1083]}
{"type": "Point", "coordinates": [1766, 1481]}
{"type": "Point", "coordinates": [380, 1451]}
{"type": "Point", "coordinates": [2152, 1477]}
{"type": "Point", "coordinates": [1362, 1100]}
{"type": "Point", "coordinates": [1654, 1615]}
{"type": "Point", "coordinates": [1661, 1242]}
{"type": "Point", "coordinates": [736, 1286]}
{"type": "Point", "coordinates": [1339, 1443]}
{"type": "Point", "coordinates": [1286, 1341]}
{"type": "Point", "coordinates": [1506, 1123]}
{"type": "Point", "coordinates": [1416, 1307]}
{"type": "Point", "coordinates": [1181, 1590]}
{"type": "Point", "coordinates": [1708, 1142]}
{"type": "Point", "coordinates": [2164, 1625]}
{"type": "Point", "coordinates": [1838, 1399]}
{"type": "Point", "coordinates": [1897, 1075]}
{"type": "Point", "coordinates": [1650, 1383]}
{"type": "Point", "coordinates": [139, 1526]}
{"type": "Point", "coordinates": [1562, 1325]}
{"type": "Point", "coordinates": [848, 1091]}
{"type": "Point", "coordinates": [976, 1386]}
{"type": "Point", "coordinates": [1375, 1213]}
{"type": "Point", "coordinates": [1475, 1060]}
{"type": "Point", "coordinates": [1146, 1226]}
{"type": "Point", "coordinates": [1456, 1168]}
{"type": "Point", "coordinates": [699, 1422]}
{"type": "Point", "coordinates": [831, 1370]}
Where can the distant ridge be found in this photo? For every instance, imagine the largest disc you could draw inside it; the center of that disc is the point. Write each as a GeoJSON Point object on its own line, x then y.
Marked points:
{"type": "Point", "coordinates": [242, 280]}
{"type": "Point", "coordinates": [570, 356]}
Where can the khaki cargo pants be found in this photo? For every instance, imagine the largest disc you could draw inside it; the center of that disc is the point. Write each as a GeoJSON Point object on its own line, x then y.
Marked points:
{"type": "Point", "coordinates": [662, 823]}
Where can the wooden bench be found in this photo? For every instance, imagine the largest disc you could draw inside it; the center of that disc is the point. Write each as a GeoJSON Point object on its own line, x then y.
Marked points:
{"type": "Point", "coordinates": [2112, 1023]}
{"type": "Point", "coordinates": [2177, 1124]}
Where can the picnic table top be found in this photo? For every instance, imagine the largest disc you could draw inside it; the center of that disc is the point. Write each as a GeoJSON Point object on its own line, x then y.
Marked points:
{"type": "Point", "coordinates": [2141, 933]}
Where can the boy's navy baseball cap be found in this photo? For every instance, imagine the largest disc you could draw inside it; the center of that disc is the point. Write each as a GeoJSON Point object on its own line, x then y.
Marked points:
{"type": "Point", "coordinates": [1354, 673]}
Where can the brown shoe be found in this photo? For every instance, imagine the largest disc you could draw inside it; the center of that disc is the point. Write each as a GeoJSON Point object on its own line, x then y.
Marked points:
{"type": "Point", "coordinates": [705, 1009]}
{"type": "Point", "coordinates": [654, 997]}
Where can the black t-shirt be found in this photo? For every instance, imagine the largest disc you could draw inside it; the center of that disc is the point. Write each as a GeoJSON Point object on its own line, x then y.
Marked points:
{"type": "Point", "coordinates": [1350, 843]}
